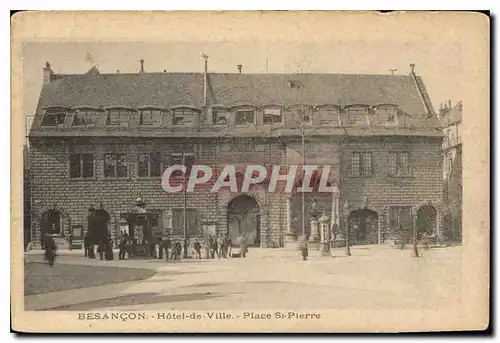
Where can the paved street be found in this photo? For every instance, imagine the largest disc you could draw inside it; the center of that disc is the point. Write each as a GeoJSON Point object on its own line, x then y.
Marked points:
{"type": "Point", "coordinates": [373, 277]}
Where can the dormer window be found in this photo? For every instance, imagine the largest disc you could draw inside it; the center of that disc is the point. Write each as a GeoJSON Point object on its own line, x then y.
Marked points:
{"type": "Point", "coordinates": [117, 117]}
{"type": "Point", "coordinates": [245, 117]}
{"type": "Point", "coordinates": [85, 117]}
{"type": "Point", "coordinates": [328, 115]}
{"type": "Point", "coordinates": [387, 114]}
{"type": "Point", "coordinates": [183, 116]}
{"type": "Point", "coordinates": [219, 116]}
{"type": "Point", "coordinates": [150, 117]}
{"type": "Point", "coordinates": [357, 115]}
{"type": "Point", "coordinates": [54, 116]}
{"type": "Point", "coordinates": [272, 115]}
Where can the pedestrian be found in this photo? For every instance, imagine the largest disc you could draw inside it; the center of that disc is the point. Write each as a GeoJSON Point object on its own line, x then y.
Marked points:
{"type": "Point", "coordinates": [224, 245]}
{"type": "Point", "coordinates": [229, 247]}
{"type": "Point", "coordinates": [86, 244]}
{"type": "Point", "coordinates": [220, 246]}
{"type": "Point", "coordinates": [167, 245]}
{"type": "Point", "coordinates": [197, 248]}
{"type": "Point", "coordinates": [108, 249]}
{"type": "Point", "coordinates": [303, 247]}
{"type": "Point", "coordinates": [206, 245]}
{"type": "Point", "coordinates": [50, 247]}
{"type": "Point", "coordinates": [160, 248]}
{"type": "Point", "coordinates": [122, 246]}
{"type": "Point", "coordinates": [213, 247]}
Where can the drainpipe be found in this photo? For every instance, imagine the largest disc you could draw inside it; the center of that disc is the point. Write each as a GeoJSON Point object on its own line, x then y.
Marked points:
{"type": "Point", "coordinates": [205, 81]}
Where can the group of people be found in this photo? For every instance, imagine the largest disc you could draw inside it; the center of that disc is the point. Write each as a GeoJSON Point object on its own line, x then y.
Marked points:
{"type": "Point", "coordinates": [104, 247]}
{"type": "Point", "coordinates": [220, 246]}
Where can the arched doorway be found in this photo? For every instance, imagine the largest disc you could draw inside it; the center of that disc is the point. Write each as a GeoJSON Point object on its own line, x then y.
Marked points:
{"type": "Point", "coordinates": [51, 222]}
{"type": "Point", "coordinates": [426, 220]}
{"type": "Point", "coordinates": [98, 220]}
{"type": "Point", "coordinates": [363, 226]}
{"type": "Point", "coordinates": [243, 218]}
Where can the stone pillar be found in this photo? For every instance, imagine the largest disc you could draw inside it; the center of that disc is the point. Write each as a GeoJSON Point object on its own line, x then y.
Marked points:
{"type": "Point", "coordinates": [290, 238]}
{"type": "Point", "coordinates": [314, 235]}
{"type": "Point", "coordinates": [324, 225]}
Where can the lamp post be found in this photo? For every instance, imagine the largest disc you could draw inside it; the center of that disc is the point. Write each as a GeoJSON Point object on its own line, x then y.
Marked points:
{"type": "Point", "coordinates": [346, 221]}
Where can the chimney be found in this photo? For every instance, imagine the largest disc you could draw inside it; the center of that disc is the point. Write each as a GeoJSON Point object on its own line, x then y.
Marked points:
{"type": "Point", "coordinates": [205, 80]}
{"type": "Point", "coordinates": [47, 73]}
{"type": "Point", "coordinates": [239, 66]}
{"type": "Point", "coordinates": [117, 71]}
{"type": "Point", "coordinates": [449, 103]}
{"type": "Point", "coordinates": [142, 66]}
{"type": "Point", "coordinates": [412, 66]}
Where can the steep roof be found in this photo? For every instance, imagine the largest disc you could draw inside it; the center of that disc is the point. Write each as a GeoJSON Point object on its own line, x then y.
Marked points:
{"type": "Point", "coordinates": [166, 90]}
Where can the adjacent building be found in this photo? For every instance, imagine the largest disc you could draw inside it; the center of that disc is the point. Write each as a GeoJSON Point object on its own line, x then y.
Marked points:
{"type": "Point", "coordinates": [100, 141]}
{"type": "Point", "coordinates": [451, 121]}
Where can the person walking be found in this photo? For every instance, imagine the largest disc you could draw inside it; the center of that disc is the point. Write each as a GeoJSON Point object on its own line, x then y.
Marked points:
{"type": "Point", "coordinates": [220, 246]}
{"type": "Point", "coordinates": [50, 248]}
{"type": "Point", "coordinates": [303, 247]}
{"type": "Point", "coordinates": [108, 249]}
{"type": "Point", "coordinates": [86, 244]}
{"type": "Point", "coordinates": [160, 247]}
{"type": "Point", "coordinates": [213, 247]}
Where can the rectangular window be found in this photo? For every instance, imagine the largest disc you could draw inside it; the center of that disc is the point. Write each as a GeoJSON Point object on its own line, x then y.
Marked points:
{"type": "Point", "coordinates": [245, 117]}
{"type": "Point", "coordinates": [355, 163]}
{"type": "Point", "coordinates": [328, 116]}
{"type": "Point", "coordinates": [54, 117]}
{"type": "Point", "coordinates": [183, 117]}
{"type": "Point", "coordinates": [81, 166]}
{"type": "Point", "coordinates": [191, 221]}
{"type": "Point", "coordinates": [356, 115]}
{"type": "Point", "coordinates": [219, 116]}
{"type": "Point", "coordinates": [399, 163]}
{"type": "Point", "coordinates": [183, 159]}
{"type": "Point", "coordinates": [150, 117]}
{"type": "Point", "coordinates": [361, 164]}
{"type": "Point", "coordinates": [305, 115]}
{"type": "Point", "coordinates": [118, 117]}
{"type": "Point", "coordinates": [85, 117]}
{"type": "Point", "coordinates": [150, 164]}
{"type": "Point", "coordinates": [115, 165]}
{"type": "Point", "coordinates": [272, 116]}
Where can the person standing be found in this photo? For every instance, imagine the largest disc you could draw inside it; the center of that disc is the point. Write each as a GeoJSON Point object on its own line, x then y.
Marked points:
{"type": "Point", "coordinates": [220, 247]}
{"type": "Point", "coordinates": [197, 248]}
{"type": "Point", "coordinates": [303, 247]}
{"type": "Point", "coordinates": [160, 248]}
{"type": "Point", "coordinates": [108, 250]}
{"type": "Point", "coordinates": [86, 244]}
{"type": "Point", "coordinates": [213, 247]}
{"type": "Point", "coordinates": [206, 244]}
{"type": "Point", "coordinates": [167, 245]}
{"type": "Point", "coordinates": [122, 246]}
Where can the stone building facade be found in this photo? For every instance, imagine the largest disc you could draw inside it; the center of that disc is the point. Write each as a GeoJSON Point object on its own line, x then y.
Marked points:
{"type": "Point", "coordinates": [104, 140]}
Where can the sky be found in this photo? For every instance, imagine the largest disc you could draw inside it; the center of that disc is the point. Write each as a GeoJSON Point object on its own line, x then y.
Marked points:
{"type": "Point", "coordinates": [439, 64]}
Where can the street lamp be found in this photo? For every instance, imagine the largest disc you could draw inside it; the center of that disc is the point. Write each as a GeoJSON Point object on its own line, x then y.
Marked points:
{"type": "Point", "coordinates": [346, 221]}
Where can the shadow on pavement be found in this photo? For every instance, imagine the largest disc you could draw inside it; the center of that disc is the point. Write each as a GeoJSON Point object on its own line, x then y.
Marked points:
{"type": "Point", "coordinates": [136, 299]}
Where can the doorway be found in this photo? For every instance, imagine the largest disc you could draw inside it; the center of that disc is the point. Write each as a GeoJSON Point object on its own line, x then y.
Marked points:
{"type": "Point", "coordinates": [364, 226]}
{"type": "Point", "coordinates": [243, 218]}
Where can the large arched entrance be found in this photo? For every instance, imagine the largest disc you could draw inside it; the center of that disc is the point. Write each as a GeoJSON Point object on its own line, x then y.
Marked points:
{"type": "Point", "coordinates": [51, 222]}
{"type": "Point", "coordinates": [243, 218]}
{"type": "Point", "coordinates": [363, 226]}
{"type": "Point", "coordinates": [98, 220]}
{"type": "Point", "coordinates": [426, 220]}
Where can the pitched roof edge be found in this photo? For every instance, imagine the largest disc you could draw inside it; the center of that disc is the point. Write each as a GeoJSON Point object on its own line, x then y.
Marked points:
{"type": "Point", "coordinates": [424, 96]}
